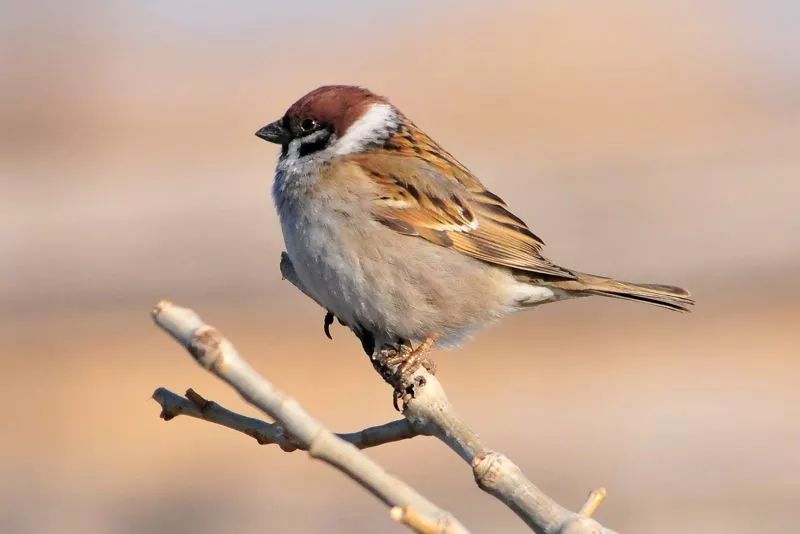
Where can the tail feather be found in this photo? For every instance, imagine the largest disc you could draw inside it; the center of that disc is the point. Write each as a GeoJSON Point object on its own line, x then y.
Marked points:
{"type": "Point", "coordinates": [670, 297]}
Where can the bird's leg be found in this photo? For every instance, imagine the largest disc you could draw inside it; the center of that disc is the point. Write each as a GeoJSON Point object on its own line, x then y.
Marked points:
{"type": "Point", "coordinates": [398, 364]}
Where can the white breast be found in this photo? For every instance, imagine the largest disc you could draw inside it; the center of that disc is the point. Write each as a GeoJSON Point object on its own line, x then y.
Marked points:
{"type": "Point", "coordinates": [315, 233]}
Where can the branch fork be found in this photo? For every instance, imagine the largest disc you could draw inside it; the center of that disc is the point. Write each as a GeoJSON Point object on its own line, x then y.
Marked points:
{"type": "Point", "coordinates": [426, 412]}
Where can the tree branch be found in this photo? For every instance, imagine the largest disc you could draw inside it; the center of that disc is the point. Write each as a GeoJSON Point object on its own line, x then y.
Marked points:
{"type": "Point", "coordinates": [217, 355]}
{"type": "Point", "coordinates": [194, 405]}
{"type": "Point", "coordinates": [429, 411]}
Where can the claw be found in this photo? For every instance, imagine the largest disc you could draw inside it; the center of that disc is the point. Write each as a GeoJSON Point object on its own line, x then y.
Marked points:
{"type": "Point", "coordinates": [397, 364]}
{"type": "Point", "coordinates": [326, 326]}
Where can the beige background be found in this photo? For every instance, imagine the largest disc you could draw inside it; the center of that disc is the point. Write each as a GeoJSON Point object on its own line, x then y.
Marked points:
{"type": "Point", "coordinates": [650, 141]}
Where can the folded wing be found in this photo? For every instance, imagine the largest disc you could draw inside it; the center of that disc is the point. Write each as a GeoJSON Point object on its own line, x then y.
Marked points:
{"type": "Point", "coordinates": [417, 197]}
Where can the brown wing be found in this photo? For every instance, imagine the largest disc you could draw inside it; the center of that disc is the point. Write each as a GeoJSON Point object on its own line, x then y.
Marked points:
{"type": "Point", "coordinates": [442, 202]}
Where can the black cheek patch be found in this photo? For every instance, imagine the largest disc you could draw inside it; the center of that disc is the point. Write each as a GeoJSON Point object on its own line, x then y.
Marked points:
{"type": "Point", "coordinates": [310, 147]}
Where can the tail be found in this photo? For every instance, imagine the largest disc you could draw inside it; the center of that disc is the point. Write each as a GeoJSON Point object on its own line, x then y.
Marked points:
{"type": "Point", "coordinates": [670, 297]}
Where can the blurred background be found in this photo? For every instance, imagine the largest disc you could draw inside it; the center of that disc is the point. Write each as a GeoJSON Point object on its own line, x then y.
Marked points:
{"type": "Point", "coordinates": [649, 141]}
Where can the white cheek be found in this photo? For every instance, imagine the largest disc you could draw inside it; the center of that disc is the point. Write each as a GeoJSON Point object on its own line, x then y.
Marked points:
{"type": "Point", "coordinates": [375, 125]}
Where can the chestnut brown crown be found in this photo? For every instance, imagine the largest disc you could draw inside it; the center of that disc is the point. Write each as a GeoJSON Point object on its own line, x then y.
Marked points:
{"type": "Point", "coordinates": [333, 108]}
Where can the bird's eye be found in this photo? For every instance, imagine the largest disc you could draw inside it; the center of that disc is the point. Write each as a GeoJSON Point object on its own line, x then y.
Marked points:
{"type": "Point", "coordinates": [308, 124]}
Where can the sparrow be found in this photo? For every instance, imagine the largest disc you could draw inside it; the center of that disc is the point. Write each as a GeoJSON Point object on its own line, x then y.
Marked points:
{"type": "Point", "coordinates": [393, 236]}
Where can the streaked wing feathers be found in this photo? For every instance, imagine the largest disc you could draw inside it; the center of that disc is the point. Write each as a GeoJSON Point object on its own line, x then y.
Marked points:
{"type": "Point", "coordinates": [415, 197]}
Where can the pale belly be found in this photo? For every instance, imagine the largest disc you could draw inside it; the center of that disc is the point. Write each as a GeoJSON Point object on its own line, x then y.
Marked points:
{"type": "Point", "coordinates": [394, 286]}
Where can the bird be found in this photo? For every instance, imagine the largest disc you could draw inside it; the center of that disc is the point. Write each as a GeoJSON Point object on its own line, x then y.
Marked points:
{"type": "Point", "coordinates": [398, 240]}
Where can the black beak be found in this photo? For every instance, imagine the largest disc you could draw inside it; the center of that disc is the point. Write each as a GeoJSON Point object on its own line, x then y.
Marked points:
{"type": "Point", "coordinates": [275, 132]}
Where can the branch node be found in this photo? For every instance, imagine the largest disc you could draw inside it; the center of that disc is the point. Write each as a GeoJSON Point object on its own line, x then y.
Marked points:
{"type": "Point", "coordinates": [285, 441]}
{"type": "Point", "coordinates": [197, 399]}
{"type": "Point", "coordinates": [205, 347]}
{"type": "Point", "coordinates": [487, 467]}
{"type": "Point", "coordinates": [168, 411]}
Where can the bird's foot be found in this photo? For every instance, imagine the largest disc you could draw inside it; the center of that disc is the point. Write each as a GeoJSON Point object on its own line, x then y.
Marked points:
{"type": "Point", "coordinates": [398, 365]}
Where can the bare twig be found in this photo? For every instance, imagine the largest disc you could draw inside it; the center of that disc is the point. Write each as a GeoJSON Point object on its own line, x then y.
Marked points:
{"type": "Point", "coordinates": [265, 433]}
{"type": "Point", "coordinates": [216, 354]}
{"type": "Point", "coordinates": [593, 502]}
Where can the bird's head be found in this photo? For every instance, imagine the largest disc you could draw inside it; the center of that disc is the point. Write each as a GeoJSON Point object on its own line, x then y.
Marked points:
{"type": "Point", "coordinates": [340, 118]}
